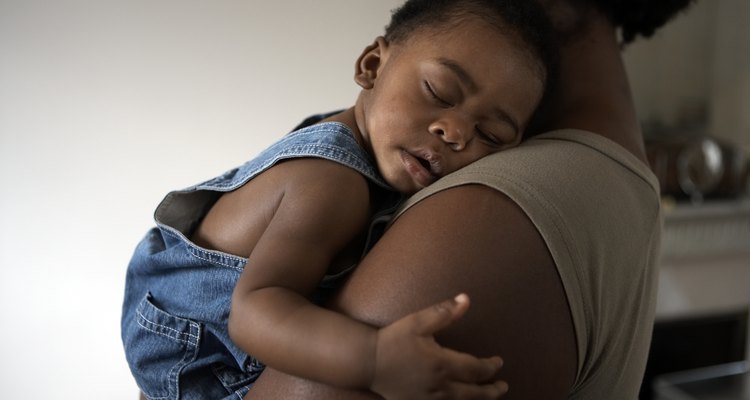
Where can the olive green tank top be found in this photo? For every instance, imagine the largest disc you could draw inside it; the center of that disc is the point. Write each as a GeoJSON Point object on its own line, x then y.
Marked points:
{"type": "Point", "coordinates": [598, 209]}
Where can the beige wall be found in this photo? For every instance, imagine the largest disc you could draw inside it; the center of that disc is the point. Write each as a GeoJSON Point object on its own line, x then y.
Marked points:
{"type": "Point", "coordinates": [670, 73]}
{"type": "Point", "coordinates": [730, 89]}
{"type": "Point", "coordinates": [104, 106]}
{"type": "Point", "coordinates": [695, 73]}
{"type": "Point", "coordinates": [693, 77]}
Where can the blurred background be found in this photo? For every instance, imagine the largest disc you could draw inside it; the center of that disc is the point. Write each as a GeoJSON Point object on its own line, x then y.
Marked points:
{"type": "Point", "coordinates": [692, 89]}
{"type": "Point", "coordinates": [107, 105]}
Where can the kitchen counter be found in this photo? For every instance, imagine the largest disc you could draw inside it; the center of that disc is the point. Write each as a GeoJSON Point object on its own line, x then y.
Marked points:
{"type": "Point", "coordinates": [721, 382]}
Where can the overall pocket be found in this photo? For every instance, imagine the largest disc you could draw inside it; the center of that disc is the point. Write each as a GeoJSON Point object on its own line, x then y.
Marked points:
{"type": "Point", "coordinates": [158, 346]}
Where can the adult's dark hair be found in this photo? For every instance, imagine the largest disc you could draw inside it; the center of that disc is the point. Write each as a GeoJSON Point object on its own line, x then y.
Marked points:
{"type": "Point", "coordinates": [523, 19]}
{"type": "Point", "coordinates": [641, 17]}
{"type": "Point", "coordinates": [634, 18]}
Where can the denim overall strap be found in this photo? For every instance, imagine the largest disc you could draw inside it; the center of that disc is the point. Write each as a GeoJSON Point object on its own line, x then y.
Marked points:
{"type": "Point", "coordinates": [328, 140]}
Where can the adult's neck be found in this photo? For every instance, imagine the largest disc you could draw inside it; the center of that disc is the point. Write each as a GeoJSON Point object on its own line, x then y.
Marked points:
{"type": "Point", "coordinates": [593, 92]}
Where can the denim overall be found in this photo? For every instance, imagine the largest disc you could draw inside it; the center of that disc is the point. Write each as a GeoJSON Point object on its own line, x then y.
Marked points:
{"type": "Point", "coordinates": [177, 294]}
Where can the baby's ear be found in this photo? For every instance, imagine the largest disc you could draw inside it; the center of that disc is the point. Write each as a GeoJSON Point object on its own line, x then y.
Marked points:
{"type": "Point", "coordinates": [369, 63]}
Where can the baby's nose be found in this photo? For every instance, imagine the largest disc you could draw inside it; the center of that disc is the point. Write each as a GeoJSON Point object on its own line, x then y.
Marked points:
{"type": "Point", "coordinates": [455, 132]}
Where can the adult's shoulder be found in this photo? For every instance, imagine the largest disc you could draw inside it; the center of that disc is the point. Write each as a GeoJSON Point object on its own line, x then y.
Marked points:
{"type": "Point", "coordinates": [595, 209]}
{"type": "Point", "coordinates": [475, 240]}
{"type": "Point", "coordinates": [561, 169]}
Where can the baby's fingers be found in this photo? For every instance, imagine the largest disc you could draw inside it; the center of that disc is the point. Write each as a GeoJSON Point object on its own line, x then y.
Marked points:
{"type": "Point", "coordinates": [462, 367]}
{"type": "Point", "coordinates": [467, 391]}
{"type": "Point", "coordinates": [439, 316]}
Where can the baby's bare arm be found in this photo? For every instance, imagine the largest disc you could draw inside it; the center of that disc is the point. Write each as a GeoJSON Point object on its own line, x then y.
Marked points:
{"type": "Point", "coordinates": [323, 207]}
{"type": "Point", "coordinates": [472, 239]}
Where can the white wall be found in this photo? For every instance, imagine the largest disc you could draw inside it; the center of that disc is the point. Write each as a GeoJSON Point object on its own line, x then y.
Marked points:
{"type": "Point", "coordinates": [104, 106]}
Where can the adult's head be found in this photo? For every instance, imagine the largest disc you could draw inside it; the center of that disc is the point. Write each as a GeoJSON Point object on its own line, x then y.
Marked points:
{"type": "Point", "coordinates": [634, 18]}
{"type": "Point", "coordinates": [640, 17]}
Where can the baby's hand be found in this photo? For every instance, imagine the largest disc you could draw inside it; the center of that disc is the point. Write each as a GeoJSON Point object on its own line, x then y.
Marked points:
{"type": "Point", "coordinates": [410, 364]}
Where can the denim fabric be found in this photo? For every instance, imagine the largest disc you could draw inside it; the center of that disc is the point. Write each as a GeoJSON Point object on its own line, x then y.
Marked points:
{"type": "Point", "coordinates": [177, 294]}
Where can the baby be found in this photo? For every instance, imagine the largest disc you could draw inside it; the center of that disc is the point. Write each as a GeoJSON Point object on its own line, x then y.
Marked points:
{"type": "Point", "coordinates": [227, 281]}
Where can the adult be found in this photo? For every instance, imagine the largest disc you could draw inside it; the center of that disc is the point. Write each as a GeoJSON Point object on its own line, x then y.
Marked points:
{"type": "Point", "coordinates": [555, 241]}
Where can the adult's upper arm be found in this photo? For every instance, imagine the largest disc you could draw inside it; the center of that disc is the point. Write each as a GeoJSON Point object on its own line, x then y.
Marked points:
{"type": "Point", "coordinates": [469, 239]}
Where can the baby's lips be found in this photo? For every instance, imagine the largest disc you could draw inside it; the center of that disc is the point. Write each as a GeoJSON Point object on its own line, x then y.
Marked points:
{"type": "Point", "coordinates": [435, 161]}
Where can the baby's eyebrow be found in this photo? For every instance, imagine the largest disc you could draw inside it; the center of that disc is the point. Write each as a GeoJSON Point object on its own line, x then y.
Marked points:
{"type": "Point", "coordinates": [471, 85]}
{"type": "Point", "coordinates": [459, 71]}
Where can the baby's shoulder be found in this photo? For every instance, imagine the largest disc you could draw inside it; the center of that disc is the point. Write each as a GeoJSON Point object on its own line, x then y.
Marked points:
{"type": "Point", "coordinates": [318, 183]}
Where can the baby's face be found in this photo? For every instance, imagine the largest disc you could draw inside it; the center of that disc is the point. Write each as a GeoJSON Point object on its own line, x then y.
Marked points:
{"type": "Point", "coordinates": [443, 99]}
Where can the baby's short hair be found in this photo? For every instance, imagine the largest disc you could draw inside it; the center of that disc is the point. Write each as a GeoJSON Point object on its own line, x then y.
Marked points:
{"type": "Point", "coordinates": [524, 20]}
